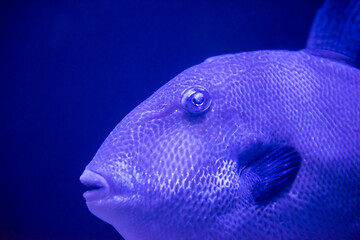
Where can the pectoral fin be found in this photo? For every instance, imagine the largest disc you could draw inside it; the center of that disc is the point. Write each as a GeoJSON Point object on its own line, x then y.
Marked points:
{"type": "Point", "coordinates": [269, 170]}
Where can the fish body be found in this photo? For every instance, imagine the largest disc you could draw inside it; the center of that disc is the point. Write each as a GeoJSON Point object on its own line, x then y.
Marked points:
{"type": "Point", "coordinates": [252, 145]}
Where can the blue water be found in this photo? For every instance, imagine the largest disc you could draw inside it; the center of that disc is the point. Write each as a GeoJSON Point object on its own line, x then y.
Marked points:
{"type": "Point", "coordinates": [71, 70]}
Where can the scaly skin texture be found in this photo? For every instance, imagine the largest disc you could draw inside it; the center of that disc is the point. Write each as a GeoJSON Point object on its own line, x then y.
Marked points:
{"type": "Point", "coordinates": [173, 175]}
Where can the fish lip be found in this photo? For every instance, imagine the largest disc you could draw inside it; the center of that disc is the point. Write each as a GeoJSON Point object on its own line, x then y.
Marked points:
{"type": "Point", "coordinates": [99, 187]}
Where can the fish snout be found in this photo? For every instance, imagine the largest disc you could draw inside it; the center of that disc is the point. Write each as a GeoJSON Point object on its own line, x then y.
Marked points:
{"type": "Point", "coordinates": [97, 185]}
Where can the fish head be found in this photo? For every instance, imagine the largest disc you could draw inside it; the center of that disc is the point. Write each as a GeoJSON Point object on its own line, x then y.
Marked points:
{"type": "Point", "coordinates": [192, 161]}
{"type": "Point", "coordinates": [168, 156]}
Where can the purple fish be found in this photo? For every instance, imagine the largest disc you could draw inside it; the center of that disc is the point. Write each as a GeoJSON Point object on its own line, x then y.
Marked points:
{"type": "Point", "coordinates": [254, 145]}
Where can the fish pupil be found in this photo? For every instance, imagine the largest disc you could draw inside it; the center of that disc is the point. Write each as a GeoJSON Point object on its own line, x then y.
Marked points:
{"type": "Point", "coordinates": [198, 98]}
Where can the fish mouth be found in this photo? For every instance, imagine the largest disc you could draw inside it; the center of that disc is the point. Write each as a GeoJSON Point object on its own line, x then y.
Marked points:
{"type": "Point", "coordinates": [97, 185]}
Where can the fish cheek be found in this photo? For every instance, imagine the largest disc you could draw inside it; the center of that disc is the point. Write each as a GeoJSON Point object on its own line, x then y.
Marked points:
{"type": "Point", "coordinates": [178, 157]}
{"type": "Point", "coordinates": [180, 166]}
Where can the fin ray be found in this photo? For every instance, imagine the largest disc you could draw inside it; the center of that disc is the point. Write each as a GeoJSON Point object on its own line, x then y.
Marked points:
{"type": "Point", "coordinates": [272, 169]}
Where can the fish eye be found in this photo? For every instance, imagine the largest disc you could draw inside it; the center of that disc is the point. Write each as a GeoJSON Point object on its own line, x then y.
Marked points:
{"type": "Point", "coordinates": [196, 100]}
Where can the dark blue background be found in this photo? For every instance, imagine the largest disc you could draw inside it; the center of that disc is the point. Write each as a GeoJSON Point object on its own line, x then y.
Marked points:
{"type": "Point", "coordinates": [71, 70]}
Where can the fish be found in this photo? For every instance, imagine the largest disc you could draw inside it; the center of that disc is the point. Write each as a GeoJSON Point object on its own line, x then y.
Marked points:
{"type": "Point", "coordinates": [252, 145]}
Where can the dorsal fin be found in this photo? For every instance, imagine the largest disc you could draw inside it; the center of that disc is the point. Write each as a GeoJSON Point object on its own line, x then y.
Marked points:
{"type": "Point", "coordinates": [335, 32]}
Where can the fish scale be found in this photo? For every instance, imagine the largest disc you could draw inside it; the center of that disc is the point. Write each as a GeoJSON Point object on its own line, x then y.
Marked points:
{"type": "Point", "coordinates": [275, 156]}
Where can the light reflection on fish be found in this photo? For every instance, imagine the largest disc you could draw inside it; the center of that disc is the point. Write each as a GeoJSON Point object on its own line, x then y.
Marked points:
{"type": "Point", "coordinates": [244, 146]}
